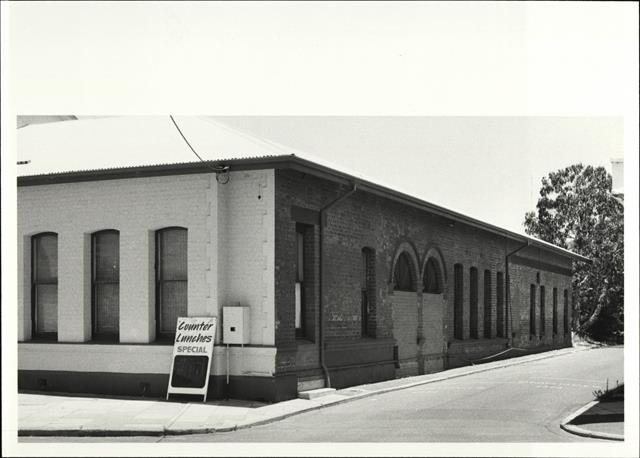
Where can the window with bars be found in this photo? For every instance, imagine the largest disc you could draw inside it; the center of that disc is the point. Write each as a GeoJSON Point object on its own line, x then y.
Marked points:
{"type": "Point", "coordinates": [473, 303]}
{"type": "Point", "coordinates": [488, 312]}
{"type": "Point", "coordinates": [171, 279]}
{"type": "Point", "coordinates": [555, 311]}
{"type": "Point", "coordinates": [566, 313]}
{"type": "Point", "coordinates": [458, 315]}
{"type": "Point", "coordinates": [306, 292]}
{"type": "Point", "coordinates": [44, 286]}
{"type": "Point", "coordinates": [367, 288]}
{"type": "Point", "coordinates": [432, 278]}
{"type": "Point", "coordinates": [300, 289]}
{"type": "Point", "coordinates": [500, 331]}
{"type": "Point", "coordinates": [532, 311]}
{"type": "Point", "coordinates": [542, 310]}
{"type": "Point", "coordinates": [105, 284]}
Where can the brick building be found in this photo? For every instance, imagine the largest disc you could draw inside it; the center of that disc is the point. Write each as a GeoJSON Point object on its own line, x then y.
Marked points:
{"type": "Point", "coordinates": [347, 281]}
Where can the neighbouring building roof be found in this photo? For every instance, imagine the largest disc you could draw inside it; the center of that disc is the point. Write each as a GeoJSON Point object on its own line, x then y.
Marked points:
{"type": "Point", "coordinates": [23, 121]}
{"type": "Point", "coordinates": [150, 146]}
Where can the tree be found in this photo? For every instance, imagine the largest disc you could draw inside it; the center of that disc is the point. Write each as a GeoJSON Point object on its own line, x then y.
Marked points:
{"type": "Point", "coordinates": [577, 210]}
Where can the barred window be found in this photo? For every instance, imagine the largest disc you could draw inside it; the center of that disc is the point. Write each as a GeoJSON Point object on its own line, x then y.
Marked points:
{"type": "Point", "coordinates": [542, 310]}
{"type": "Point", "coordinates": [500, 305]}
{"type": "Point", "coordinates": [473, 303]}
{"type": "Point", "coordinates": [555, 311]}
{"type": "Point", "coordinates": [105, 284]}
{"type": "Point", "coordinates": [44, 285]}
{"type": "Point", "coordinates": [567, 327]}
{"type": "Point", "coordinates": [488, 312]}
{"type": "Point", "coordinates": [171, 279]}
{"type": "Point", "coordinates": [403, 276]}
{"type": "Point", "coordinates": [367, 289]}
{"type": "Point", "coordinates": [432, 278]}
{"type": "Point", "coordinates": [532, 311]}
{"type": "Point", "coordinates": [457, 302]}
{"type": "Point", "coordinates": [301, 255]}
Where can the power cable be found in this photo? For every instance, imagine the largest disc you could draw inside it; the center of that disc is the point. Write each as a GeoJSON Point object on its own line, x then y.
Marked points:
{"type": "Point", "coordinates": [216, 169]}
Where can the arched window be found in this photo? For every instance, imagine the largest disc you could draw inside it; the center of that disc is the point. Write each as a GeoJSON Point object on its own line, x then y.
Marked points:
{"type": "Point", "coordinates": [105, 284]}
{"type": "Point", "coordinates": [403, 277]}
{"type": "Point", "coordinates": [432, 278]}
{"type": "Point", "coordinates": [44, 285]}
{"type": "Point", "coordinates": [171, 279]}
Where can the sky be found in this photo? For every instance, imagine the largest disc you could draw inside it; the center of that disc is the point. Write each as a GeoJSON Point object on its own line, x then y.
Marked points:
{"type": "Point", "coordinates": [479, 60]}
{"type": "Point", "coordinates": [485, 167]}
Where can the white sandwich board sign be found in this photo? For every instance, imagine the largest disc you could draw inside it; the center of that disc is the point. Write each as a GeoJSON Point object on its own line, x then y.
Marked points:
{"type": "Point", "coordinates": [192, 355]}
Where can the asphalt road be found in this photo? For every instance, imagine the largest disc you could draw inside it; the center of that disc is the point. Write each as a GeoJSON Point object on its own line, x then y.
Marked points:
{"type": "Point", "coordinates": [523, 403]}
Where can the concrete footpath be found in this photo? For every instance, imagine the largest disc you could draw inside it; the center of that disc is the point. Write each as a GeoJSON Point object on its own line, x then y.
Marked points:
{"type": "Point", "coordinates": [64, 415]}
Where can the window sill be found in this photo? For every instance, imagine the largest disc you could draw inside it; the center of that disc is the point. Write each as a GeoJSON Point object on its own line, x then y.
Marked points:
{"type": "Point", "coordinates": [44, 335]}
{"type": "Point", "coordinates": [43, 339]}
{"type": "Point", "coordinates": [164, 340]}
{"type": "Point", "coordinates": [301, 341]}
{"type": "Point", "coordinates": [91, 342]}
{"type": "Point", "coordinates": [368, 338]}
{"type": "Point", "coordinates": [105, 339]}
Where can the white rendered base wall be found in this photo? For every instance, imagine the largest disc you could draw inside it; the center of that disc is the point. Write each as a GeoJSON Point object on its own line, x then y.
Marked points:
{"type": "Point", "coordinates": [148, 359]}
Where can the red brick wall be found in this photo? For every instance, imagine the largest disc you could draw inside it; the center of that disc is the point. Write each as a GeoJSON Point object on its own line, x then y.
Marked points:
{"type": "Point", "coordinates": [366, 220]}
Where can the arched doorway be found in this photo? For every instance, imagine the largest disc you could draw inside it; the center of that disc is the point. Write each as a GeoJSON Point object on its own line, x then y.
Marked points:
{"type": "Point", "coordinates": [404, 310]}
{"type": "Point", "coordinates": [431, 331]}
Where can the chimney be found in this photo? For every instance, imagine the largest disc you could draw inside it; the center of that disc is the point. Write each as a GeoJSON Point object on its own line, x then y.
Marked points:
{"type": "Point", "coordinates": [617, 176]}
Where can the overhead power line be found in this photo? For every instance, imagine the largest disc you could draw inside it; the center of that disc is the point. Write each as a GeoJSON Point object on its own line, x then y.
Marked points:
{"type": "Point", "coordinates": [216, 169]}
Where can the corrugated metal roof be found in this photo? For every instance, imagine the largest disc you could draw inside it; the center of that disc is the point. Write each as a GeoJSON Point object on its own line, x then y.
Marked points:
{"type": "Point", "coordinates": [206, 135]}
{"type": "Point", "coordinates": [117, 142]}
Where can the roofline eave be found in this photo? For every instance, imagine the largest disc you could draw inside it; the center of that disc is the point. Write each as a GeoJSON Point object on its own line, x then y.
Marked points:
{"type": "Point", "coordinates": [293, 162]}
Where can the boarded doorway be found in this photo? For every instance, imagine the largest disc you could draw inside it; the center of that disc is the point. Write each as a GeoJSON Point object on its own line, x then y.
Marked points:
{"type": "Point", "coordinates": [404, 312]}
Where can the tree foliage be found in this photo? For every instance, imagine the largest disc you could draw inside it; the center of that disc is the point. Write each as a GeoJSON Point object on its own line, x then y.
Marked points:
{"type": "Point", "coordinates": [577, 210]}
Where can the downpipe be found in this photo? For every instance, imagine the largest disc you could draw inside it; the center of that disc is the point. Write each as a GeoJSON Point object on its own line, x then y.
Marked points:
{"type": "Point", "coordinates": [323, 218]}
{"type": "Point", "coordinates": [508, 292]}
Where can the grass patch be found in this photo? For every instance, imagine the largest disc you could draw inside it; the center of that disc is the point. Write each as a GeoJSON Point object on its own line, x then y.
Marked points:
{"type": "Point", "coordinates": [609, 394]}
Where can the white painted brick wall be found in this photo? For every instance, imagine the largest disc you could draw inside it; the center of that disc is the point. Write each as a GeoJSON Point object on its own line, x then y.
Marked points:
{"type": "Point", "coordinates": [246, 233]}
{"type": "Point", "coordinates": [137, 359]}
{"type": "Point", "coordinates": [230, 251]}
{"type": "Point", "coordinates": [122, 358]}
{"type": "Point", "coordinates": [135, 207]}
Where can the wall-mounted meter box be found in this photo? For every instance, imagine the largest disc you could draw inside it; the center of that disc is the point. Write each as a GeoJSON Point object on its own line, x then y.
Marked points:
{"type": "Point", "coordinates": [235, 325]}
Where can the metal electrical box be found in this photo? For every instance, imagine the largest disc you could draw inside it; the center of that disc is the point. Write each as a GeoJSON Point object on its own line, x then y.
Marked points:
{"type": "Point", "coordinates": [236, 326]}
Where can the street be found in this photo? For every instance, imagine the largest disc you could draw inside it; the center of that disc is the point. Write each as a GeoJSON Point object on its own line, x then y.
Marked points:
{"type": "Point", "coordinates": [522, 403]}
{"type": "Point", "coordinates": [519, 403]}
